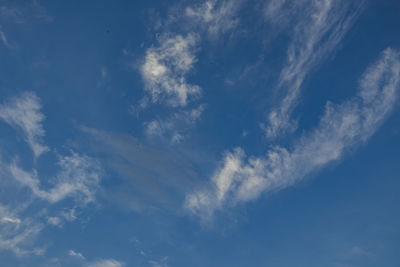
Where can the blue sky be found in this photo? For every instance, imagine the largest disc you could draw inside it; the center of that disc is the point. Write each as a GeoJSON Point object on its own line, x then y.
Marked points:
{"type": "Point", "coordinates": [200, 133]}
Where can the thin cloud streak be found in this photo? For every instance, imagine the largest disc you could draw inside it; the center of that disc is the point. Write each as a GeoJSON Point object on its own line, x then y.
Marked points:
{"type": "Point", "coordinates": [342, 127]}
{"type": "Point", "coordinates": [321, 26]}
{"type": "Point", "coordinates": [23, 113]}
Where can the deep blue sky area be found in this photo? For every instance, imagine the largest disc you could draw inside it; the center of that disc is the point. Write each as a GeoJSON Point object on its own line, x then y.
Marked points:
{"type": "Point", "coordinates": [200, 133]}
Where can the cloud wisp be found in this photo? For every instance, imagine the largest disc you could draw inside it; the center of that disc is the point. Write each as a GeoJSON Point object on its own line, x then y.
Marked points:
{"type": "Point", "coordinates": [342, 128]}
{"type": "Point", "coordinates": [215, 16]}
{"type": "Point", "coordinates": [17, 234]}
{"type": "Point", "coordinates": [79, 178]}
{"type": "Point", "coordinates": [167, 65]}
{"type": "Point", "coordinates": [174, 127]}
{"type": "Point", "coordinates": [320, 27]}
{"type": "Point", "coordinates": [96, 263]}
{"type": "Point", "coordinates": [23, 113]}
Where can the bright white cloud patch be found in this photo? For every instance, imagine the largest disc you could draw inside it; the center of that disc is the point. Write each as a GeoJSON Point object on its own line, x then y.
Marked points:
{"type": "Point", "coordinates": [23, 113]}
{"type": "Point", "coordinates": [341, 128]}
{"type": "Point", "coordinates": [320, 27]}
{"type": "Point", "coordinates": [79, 177]}
{"type": "Point", "coordinates": [165, 68]}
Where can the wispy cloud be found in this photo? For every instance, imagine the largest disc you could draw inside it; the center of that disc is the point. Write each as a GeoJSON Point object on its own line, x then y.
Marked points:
{"type": "Point", "coordinates": [215, 16]}
{"type": "Point", "coordinates": [320, 27]}
{"type": "Point", "coordinates": [79, 178]}
{"type": "Point", "coordinates": [17, 234]}
{"type": "Point", "coordinates": [174, 126]}
{"type": "Point", "coordinates": [96, 263]}
{"type": "Point", "coordinates": [165, 68]}
{"type": "Point", "coordinates": [23, 113]}
{"type": "Point", "coordinates": [105, 263]}
{"type": "Point", "coordinates": [76, 254]}
{"type": "Point", "coordinates": [3, 38]}
{"type": "Point", "coordinates": [152, 175]}
{"type": "Point", "coordinates": [342, 127]}
{"type": "Point", "coordinates": [15, 12]}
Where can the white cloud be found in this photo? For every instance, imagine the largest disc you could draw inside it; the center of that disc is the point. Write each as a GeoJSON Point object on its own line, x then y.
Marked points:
{"type": "Point", "coordinates": [11, 220]}
{"type": "Point", "coordinates": [79, 255]}
{"type": "Point", "coordinates": [79, 178]}
{"type": "Point", "coordinates": [23, 113]}
{"type": "Point", "coordinates": [341, 128]}
{"type": "Point", "coordinates": [165, 68]}
{"type": "Point", "coordinates": [106, 263]}
{"type": "Point", "coordinates": [217, 16]}
{"type": "Point", "coordinates": [96, 263]}
{"type": "Point", "coordinates": [320, 27]}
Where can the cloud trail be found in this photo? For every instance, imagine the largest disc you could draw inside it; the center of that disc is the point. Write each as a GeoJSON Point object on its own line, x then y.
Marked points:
{"type": "Point", "coordinates": [23, 113]}
{"type": "Point", "coordinates": [320, 26]}
{"type": "Point", "coordinates": [342, 128]}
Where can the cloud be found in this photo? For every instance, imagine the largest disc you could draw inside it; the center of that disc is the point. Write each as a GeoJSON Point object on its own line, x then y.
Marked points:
{"type": "Point", "coordinates": [76, 254]}
{"type": "Point", "coordinates": [96, 263]}
{"type": "Point", "coordinates": [165, 68]}
{"type": "Point", "coordinates": [3, 38]}
{"type": "Point", "coordinates": [55, 221]}
{"type": "Point", "coordinates": [15, 12]}
{"type": "Point", "coordinates": [79, 178]}
{"type": "Point", "coordinates": [23, 113]}
{"type": "Point", "coordinates": [11, 220]}
{"type": "Point", "coordinates": [151, 175]}
{"type": "Point", "coordinates": [216, 16]}
{"type": "Point", "coordinates": [106, 263]}
{"type": "Point", "coordinates": [156, 263]}
{"type": "Point", "coordinates": [174, 126]}
{"type": "Point", "coordinates": [17, 234]}
{"type": "Point", "coordinates": [320, 27]}
{"type": "Point", "coordinates": [342, 128]}
{"type": "Point", "coordinates": [273, 10]}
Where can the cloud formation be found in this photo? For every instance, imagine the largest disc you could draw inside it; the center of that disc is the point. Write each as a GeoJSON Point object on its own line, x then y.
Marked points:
{"type": "Point", "coordinates": [105, 263]}
{"type": "Point", "coordinates": [175, 126]}
{"type": "Point", "coordinates": [341, 128]}
{"type": "Point", "coordinates": [23, 113]}
{"type": "Point", "coordinates": [79, 178]}
{"type": "Point", "coordinates": [165, 67]}
{"type": "Point", "coordinates": [215, 16]}
{"type": "Point", "coordinates": [320, 26]}
{"type": "Point", "coordinates": [17, 234]}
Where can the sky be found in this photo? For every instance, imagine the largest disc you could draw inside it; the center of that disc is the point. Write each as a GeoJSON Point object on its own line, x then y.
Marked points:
{"type": "Point", "coordinates": [200, 133]}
